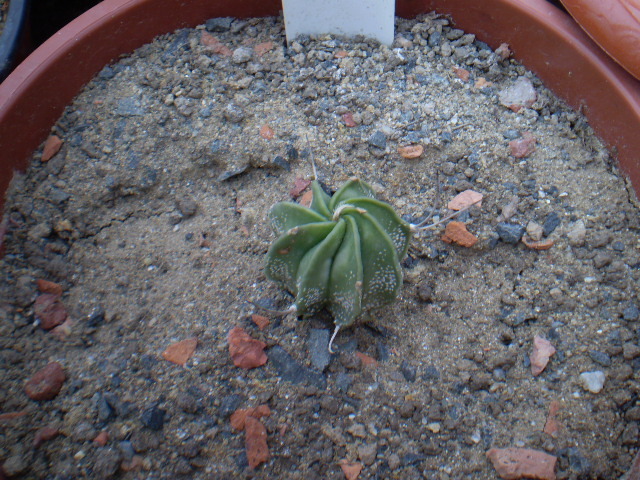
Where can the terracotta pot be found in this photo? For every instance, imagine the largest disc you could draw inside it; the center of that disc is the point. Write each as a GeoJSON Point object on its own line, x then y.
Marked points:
{"type": "Point", "coordinates": [545, 39]}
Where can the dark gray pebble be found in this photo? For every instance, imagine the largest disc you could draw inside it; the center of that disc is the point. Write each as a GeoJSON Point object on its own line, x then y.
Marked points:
{"type": "Point", "coordinates": [318, 348]}
{"type": "Point", "coordinates": [291, 371]}
{"type": "Point", "coordinates": [280, 162]}
{"type": "Point", "coordinates": [222, 24]}
{"type": "Point", "coordinates": [229, 404]}
{"type": "Point", "coordinates": [511, 134]}
{"type": "Point", "coordinates": [153, 418]}
{"type": "Point", "coordinates": [618, 246]}
{"type": "Point", "coordinates": [410, 372]}
{"type": "Point", "coordinates": [435, 39]}
{"type": "Point", "coordinates": [631, 313]}
{"type": "Point", "coordinates": [510, 232]}
{"type": "Point", "coordinates": [343, 381]}
{"type": "Point", "coordinates": [600, 358]}
{"type": "Point", "coordinates": [431, 374]}
{"type": "Point", "coordinates": [551, 222]}
{"type": "Point", "coordinates": [378, 140]}
{"type": "Point", "coordinates": [126, 448]}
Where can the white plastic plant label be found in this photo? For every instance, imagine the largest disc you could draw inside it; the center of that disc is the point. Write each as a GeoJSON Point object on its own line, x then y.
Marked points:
{"type": "Point", "coordinates": [371, 18]}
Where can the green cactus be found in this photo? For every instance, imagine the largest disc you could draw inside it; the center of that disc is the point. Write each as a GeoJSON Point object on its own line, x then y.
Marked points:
{"type": "Point", "coordinates": [342, 254]}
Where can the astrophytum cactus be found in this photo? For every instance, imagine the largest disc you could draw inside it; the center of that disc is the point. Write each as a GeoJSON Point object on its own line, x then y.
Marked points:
{"type": "Point", "coordinates": [342, 254]}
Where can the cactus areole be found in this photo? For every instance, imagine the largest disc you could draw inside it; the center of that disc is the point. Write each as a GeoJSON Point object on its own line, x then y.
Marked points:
{"type": "Point", "coordinates": [343, 253]}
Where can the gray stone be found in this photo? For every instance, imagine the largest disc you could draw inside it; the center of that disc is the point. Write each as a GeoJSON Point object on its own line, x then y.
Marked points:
{"type": "Point", "coordinates": [234, 113]}
{"type": "Point", "coordinates": [409, 372]}
{"type": "Point", "coordinates": [600, 358]}
{"type": "Point", "coordinates": [221, 24]}
{"type": "Point", "coordinates": [242, 55]}
{"type": "Point", "coordinates": [631, 313]}
{"type": "Point", "coordinates": [318, 348]}
{"type": "Point", "coordinates": [367, 453]}
{"type": "Point", "coordinates": [551, 222]}
{"type": "Point", "coordinates": [291, 371]}
{"type": "Point", "coordinates": [107, 462]}
{"type": "Point", "coordinates": [521, 92]}
{"type": "Point", "coordinates": [378, 140]}
{"type": "Point", "coordinates": [510, 232]}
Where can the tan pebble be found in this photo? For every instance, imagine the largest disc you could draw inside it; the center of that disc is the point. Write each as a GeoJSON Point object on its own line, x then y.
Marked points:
{"type": "Point", "coordinates": [534, 230]}
{"type": "Point", "coordinates": [411, 151]}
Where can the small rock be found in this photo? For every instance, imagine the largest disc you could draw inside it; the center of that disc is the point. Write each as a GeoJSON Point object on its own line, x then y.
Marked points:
{"type": "Point", "coordinates": [409, 371]}
{"type": "Point", "coordinates": [630, 434]}
{"type": "Point", "coordinates": [367, 453]}
{"type": "Point", "coordinates": [291, 371]}
{"type": "Point", "coordinates": [535, 231]}
{"type": "Point", "coordinates": [222, 24]}
{"type": "Point", "coordinates": [411, 151]}
{"type": "Point", "coordinates": [318, 348]}
{"type": "Point", "coordinates": [592, 381]}
{"type": "Point", "coordinates": [456, 232]}
{"type": "Point", "coordinates": [343, 382]}
{"type": "Point", "coordinates": [83, 432]}
{"type": "Point", "coordinates": [229, 404]}
{"type": "Point", "coordinates": [516, 463]}
{"type": "Point", "coordinates": [256, 442]}
{"type": "Point", "coordinates": [242, 55]}
{"type": "Point", "coordinates": [153, 418]}
{"type": "Point", "coordinates": [46, 383]}
{"type": "Point", "coordinates": [187, 206]}
{"type": "Point", "coordinates": [234, 113]}
{"type": "Point", "coordinates": [49, 310]}
{"type": "Point", "coordinates": [187, 403]}
{"type": "Point", "coordinates": [393, 461]}
{"type": "Point", "coordinates": [357, 430]}
{"type": "Point", "coordinates": [246, 352]}
{"type": "Point", "coordinates": [631, 313]}
{"type": "Point", "coordinates": [144, 441]}
{"type": "Point", "coordinates": [180, 352]}
{"type": "Point", "coordinates": [107, 462]}
{"type": "Point", "coordinates": [523, 147]}
{"type": "Point", "coordinates": [600, 358]}
{"type": "Point", "coordinates": [520, 94]}
{"type": "Point", "coordinates": [510, 232]}
{"type": "Point", "coordinates": [425, 292]}
{"type": "Point", "coordinates": [351, 470]}
{"type": "Point", "coordinates": [602, 259]}
{"type": "Point", "coordinates": [577, 234]}
{"type": "Point", "coordinates": [51, 147]}
{"type": "Point", "coordinates": [630, 351]}
{"type": "Point", "coordinates": [14, 465]}
{"type": "Point", "coordinates": [542, 351]}
{"type": "Point", "coordinates": [378, 140]}
{"type": "Point", "coordinates": [600, 239]}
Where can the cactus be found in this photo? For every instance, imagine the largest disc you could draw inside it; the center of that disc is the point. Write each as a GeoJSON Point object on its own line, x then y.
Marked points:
{"type": "Point", "coordinates": [343, 253]}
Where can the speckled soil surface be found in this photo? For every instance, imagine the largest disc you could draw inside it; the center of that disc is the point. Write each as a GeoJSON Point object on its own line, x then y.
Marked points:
{"type": "Point", "coordinates": [152, 219]}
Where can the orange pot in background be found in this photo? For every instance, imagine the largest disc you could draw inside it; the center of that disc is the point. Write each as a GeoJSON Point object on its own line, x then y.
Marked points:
{"type": "Point", "coordinates": [543, 38]}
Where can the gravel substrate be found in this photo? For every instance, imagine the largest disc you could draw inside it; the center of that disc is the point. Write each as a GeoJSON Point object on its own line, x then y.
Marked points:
{"type": "Point", "coordinates": [151, 221]}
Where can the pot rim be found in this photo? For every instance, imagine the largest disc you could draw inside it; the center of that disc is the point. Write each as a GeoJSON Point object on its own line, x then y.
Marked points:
{"type": "Point", "coordinates": [543, 38]}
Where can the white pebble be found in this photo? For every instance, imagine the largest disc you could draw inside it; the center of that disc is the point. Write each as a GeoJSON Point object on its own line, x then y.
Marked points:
{"type": "Point", "coordinates": [592, 381]}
